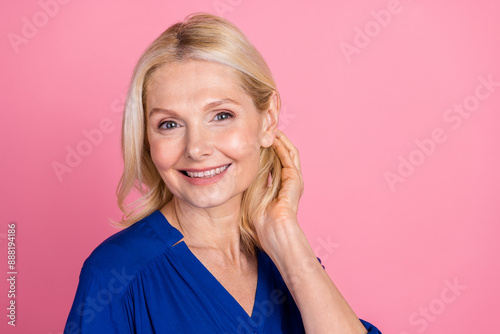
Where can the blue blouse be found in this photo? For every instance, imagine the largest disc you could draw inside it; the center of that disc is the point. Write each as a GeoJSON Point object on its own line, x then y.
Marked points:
{"type": "Point", "coordinates": [136, 281]}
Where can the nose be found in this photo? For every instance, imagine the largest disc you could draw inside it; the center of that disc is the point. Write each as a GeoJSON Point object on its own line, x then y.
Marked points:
{"type": "Point", "coordinates": [199, 144]}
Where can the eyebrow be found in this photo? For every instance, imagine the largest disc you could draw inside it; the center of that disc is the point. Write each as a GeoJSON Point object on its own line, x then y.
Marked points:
{"type": "Point", "coordinates": [208, 106]}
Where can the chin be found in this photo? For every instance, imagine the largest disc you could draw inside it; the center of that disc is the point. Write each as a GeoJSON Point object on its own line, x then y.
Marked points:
{"type": "Point", "coordinates": [206, 202]}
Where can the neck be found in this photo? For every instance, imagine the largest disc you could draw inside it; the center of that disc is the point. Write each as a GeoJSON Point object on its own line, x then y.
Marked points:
{"type": "Point", "coordinates": [214, 228]}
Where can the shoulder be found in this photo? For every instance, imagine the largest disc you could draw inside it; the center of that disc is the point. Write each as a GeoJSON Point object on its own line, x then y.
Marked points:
{"type": "Point", "coordinates": [128, 249]}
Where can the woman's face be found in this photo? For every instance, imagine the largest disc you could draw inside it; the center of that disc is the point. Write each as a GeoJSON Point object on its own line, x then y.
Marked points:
{"type": "Point", "coordinates": [200, 122]}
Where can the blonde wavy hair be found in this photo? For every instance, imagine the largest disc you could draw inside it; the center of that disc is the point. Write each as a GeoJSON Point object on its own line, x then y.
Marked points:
{"type": "Point", "coordinates": [201, 37]}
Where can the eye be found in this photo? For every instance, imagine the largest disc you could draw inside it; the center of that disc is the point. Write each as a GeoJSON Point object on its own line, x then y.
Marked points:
{"type": "Point", "coordinates": [168, 125]}
{"type": "Point", "coordinates": [222, 116]}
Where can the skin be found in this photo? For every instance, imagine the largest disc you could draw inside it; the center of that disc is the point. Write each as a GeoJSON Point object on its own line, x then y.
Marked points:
{"type": "Point", "coordinates": [185, 131]}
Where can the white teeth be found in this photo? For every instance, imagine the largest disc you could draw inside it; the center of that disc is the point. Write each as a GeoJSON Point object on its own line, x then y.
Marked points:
{"type": "Point", "coordinates": [208, 173]}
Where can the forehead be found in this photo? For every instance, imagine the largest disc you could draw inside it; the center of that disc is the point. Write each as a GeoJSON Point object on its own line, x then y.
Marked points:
{"type": "Point", "coordinates": [193, 81]}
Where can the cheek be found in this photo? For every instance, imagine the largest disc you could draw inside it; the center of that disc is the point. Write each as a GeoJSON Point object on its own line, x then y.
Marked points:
{"type": "Point", "coordinates": [243, 143]}
{"type": "Point", "coordinates": [163, 156]}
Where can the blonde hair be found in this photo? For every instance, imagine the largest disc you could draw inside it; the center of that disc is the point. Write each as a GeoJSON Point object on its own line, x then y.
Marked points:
{"type": "Point", "coordinates": [200, 37]}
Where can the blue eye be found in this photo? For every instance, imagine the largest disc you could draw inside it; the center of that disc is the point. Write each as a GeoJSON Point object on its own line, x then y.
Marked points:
{"type": "Point", "coordinates": [168, 125]}
{"type": "Point", "coordinates": [222, 116]}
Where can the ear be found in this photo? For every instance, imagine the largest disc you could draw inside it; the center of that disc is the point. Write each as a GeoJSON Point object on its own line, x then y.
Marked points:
{"type": "Point", "coordinates": [270, 119]}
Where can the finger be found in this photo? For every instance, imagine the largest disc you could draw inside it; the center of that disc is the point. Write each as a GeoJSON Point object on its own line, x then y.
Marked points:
{"type": "Point", "coordinates": [283, 154]}
{"type": "Point", "coordinates": [288, 163]}
{"type": "Point", "coordinates": [294, 152]}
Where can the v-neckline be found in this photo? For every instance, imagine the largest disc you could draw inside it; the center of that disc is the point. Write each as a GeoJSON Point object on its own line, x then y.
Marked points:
{"type": "Point", "coordinates": [199, 270]}
{"type": "Point", "coordinates": [201, 273]}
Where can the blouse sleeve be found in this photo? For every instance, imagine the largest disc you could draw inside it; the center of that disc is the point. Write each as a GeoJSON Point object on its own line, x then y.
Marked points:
{"type": "Point", "coordinates": [94, 308]}
{"type": "Point", "coordinates": [369, 327]}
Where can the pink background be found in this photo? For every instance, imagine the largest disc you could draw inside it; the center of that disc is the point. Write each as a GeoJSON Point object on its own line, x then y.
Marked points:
{"type": "Point", "coordinates": [393, 249]}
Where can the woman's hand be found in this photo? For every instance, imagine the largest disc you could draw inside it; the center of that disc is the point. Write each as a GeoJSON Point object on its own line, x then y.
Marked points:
{"type": "Point", "coordinates": [282, 212]}
{"type": "Point", "coordinates": [322, 307]}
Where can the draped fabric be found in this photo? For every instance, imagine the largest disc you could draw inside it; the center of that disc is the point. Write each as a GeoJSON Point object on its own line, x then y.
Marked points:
{"type": "Point", "coordinates": [137, 281]}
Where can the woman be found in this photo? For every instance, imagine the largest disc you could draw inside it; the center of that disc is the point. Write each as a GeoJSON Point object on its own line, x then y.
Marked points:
{"type": "Point", "coordinates": [214, 244]}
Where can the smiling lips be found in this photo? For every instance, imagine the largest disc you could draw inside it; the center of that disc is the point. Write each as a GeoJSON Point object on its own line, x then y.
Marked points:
{"type": "Point", "coordinates": [206, 173]}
